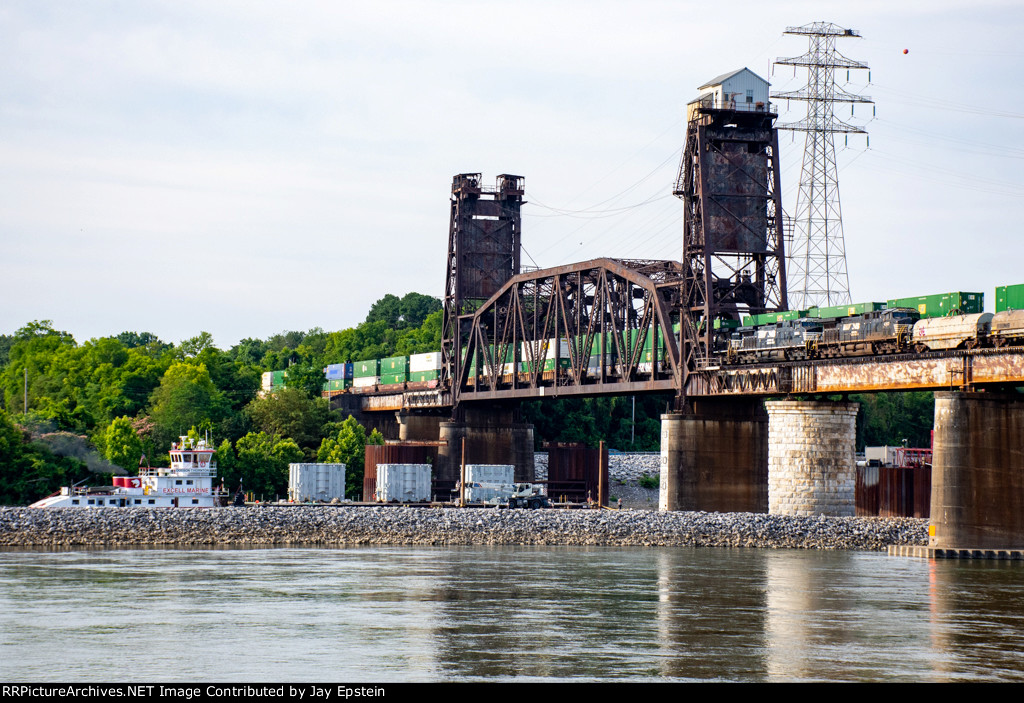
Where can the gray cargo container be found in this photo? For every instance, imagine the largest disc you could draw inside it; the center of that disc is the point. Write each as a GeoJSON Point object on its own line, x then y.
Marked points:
{"type": "Point", "coordinates": [316, 482]}
{"type": "Point", "coordinates": [403, 483]}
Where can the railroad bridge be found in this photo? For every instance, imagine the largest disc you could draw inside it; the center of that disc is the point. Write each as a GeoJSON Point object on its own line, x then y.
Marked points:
{"type": "Point", "coordinates": [624, 327]}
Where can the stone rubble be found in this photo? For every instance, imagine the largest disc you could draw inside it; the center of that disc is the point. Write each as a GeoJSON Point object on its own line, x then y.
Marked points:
{"type": "Point", "coordinates": [351, 525]}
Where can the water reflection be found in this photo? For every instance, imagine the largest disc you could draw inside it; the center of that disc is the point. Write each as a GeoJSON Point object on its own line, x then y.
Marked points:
{"type": "Point", "coordinates": [387, 614]}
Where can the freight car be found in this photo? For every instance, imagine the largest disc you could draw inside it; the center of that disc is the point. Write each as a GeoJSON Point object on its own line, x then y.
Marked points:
{"type": "Point", "coordinates": [920, 324]}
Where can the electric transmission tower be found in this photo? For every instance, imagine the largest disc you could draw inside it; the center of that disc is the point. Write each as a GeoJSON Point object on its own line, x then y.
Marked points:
{"type": "Point", "coordinates": [817, 257]}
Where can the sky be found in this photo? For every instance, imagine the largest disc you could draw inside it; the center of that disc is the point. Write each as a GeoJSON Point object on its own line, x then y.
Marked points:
{"type": "Point", "coordinates": [246, 168]}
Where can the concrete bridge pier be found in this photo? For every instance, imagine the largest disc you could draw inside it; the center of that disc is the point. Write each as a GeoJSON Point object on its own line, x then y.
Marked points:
{"type": "Point", "coordinates": [714, 457]}
{"type": "Point", "coordinates": [978, 471]}
{"type": "Point", "coordinates": [418, 427]}
{"type": "Point", "coordinates": [493, 436]}
{"type": "Point", "coordinates": [811, 461]}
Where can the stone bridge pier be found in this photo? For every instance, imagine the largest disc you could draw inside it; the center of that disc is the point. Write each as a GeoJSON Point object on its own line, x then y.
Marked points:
{"type": "Point", "coordinates": [978, 471]}
{"type": "Point", "coordinates": [493, 436]}
{"type": "Point", "coordinates": [714, 457]}
{"type": "Point", "coordinates": [811, 457]}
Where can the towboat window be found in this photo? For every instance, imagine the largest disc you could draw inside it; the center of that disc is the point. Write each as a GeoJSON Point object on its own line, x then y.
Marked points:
{"type": "Point", "coordinates": [195, 501]}
{"type": "Point", "coordinates": [187, 458]}
{"type": "Point", "coordinates": [92, 502]}
{"type": "Point", "coordinates": [74, 501]}
{"type": "Point", "coordinates": [177, 482]}
{"type": "Point", "coordinates": [138, 502]}
{"type": "Point", "coordinates": [152, 501]}
{"type": "Point", "coordinates": [189, 482]}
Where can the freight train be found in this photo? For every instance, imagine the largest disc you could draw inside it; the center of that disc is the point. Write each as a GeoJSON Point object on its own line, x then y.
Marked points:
{"type": "Point", "coordinates": [900, 325]}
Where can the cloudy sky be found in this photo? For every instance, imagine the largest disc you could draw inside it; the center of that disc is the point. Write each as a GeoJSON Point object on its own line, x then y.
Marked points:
{"type": "Point", "coordinates": [246, 168]}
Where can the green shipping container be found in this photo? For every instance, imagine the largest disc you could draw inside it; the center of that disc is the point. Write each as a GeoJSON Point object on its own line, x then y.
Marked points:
{"type": "Point", "coordinates": [394, 365]}
{"type": "Point", "coordinates": [421, 376]}
{"type": "Point", "coordinates": [387, 379]}
{"type": "Point", "coordinates": [835, 311]}
{"type": "Point", "coordinates": [942, 304]}
{"type": "Point", "coordinates": [1010, 297]}
{"type": "Point", "coordinates": [363, 369]}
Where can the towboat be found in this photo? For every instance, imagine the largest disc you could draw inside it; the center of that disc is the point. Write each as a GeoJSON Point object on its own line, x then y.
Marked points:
{"type": "Point", "coordinates": [186, 483]}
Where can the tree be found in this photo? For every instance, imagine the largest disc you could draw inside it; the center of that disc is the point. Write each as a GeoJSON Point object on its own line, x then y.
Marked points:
{"type": "Point", "coordinates": [292, 413]}
{"type": "Point", "coordinates": [122, 445]}
{"type": "Point", "coordinates": [348, 446]}
{"type": "Point", "coordinates": [185, 397]}
{"type": "Point", "coordinates": [261, 463]}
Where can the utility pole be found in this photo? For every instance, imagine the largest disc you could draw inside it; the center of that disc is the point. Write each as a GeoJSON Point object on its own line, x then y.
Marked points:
{"type": "Point", "coordinates": [817, 256]}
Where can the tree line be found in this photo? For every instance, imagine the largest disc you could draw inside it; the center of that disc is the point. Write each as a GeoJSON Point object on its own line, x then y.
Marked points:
{"type": "Point", "coordinates": [77, 412]}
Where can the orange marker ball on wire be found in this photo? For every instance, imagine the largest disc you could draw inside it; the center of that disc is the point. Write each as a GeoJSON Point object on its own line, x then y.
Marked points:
{"type": "Point", "coordinates": [906, 51]}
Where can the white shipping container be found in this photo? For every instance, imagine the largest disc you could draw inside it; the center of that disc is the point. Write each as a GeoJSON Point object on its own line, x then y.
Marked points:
{"type": "Point", "coordinates": [489, 483]}
{"type": "Point", "coordinates": [490, 473]}
{"type": "Point", "coordinates": [364, 381]}
{"type": "Point", "coordinates": [267, 380]}
{"type": "Point", "coordinates": [544, 349]}
{"type": "Point", "coordinates": [316, 482]}
{"type": "Point", "coordinates": [405, 483]}
{"type": "Point", "coordinates": [430, 361]}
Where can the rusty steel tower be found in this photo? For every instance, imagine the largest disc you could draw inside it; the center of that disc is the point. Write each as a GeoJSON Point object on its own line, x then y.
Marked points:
{"type": "Point", "coordinates": [817, 255]}
{"type": "Point", "coordinates": [733, 251]}
{"type": "Point", "coordinates": [483, 253]}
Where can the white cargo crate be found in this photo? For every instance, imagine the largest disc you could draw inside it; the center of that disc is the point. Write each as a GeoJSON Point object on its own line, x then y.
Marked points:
{"type": "Point", "coordinates": [404, 483]}
{"type": "Point", "coordinates": [489, 483]}
{"type": "Point", "coordinates": [316, 482]}
{"type": "Point", "coordinates": [430, 361]}
{"type": "Point", "coordinates": [364, 381]}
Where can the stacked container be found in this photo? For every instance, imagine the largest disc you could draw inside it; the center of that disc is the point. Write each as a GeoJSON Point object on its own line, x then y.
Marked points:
{"type": "Point", "coordinates": [942, 304]}
{"type": "Point", "coordinates": [394, 370]}
{"type": "Point", "coordinates": [424, 367]}
{"type": "Point", "coordinates": [365, 373]}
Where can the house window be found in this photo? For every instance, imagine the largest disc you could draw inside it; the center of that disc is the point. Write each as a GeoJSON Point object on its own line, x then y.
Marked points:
{"type": "Point", "coordinates": [750, 96]}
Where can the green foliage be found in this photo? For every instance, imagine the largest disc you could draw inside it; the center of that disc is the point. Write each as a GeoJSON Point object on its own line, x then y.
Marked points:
{"type": "Point", "coordinates": [260, 461]}
{"type": "Point", "coordinates": [122, 445]}
{"type": "Point", "coordinates": [292, 413]}
{"type": "Point", "coordinates": [648, 481]}
{"type": "Point", "coordinates": [30, 471]}
{"type": "Point", "coordinates": [186, 396]}
{"type": "Point", "coordinates": [348, 446]}
{"type": "Point", "coordinates": [591, 420]}
{"type": "Point", "coordinates": [889, 418]}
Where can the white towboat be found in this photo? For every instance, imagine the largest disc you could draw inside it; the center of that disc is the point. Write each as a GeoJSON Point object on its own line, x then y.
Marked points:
{"type": "Point", "coordinates": [187, 483]}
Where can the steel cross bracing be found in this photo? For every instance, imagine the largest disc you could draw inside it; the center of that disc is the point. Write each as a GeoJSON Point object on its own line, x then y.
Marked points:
{"type": "Point", "coordinates": [817, 257]}
{"type": "Point", "coordinates": [584, 329]}
{"type": "Point", "coordinates": [733, 251]}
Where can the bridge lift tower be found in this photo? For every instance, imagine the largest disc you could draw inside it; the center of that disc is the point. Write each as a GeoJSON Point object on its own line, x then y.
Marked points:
{"type": "Point", "coordinates": [733, 251]}
{"type": "Point", "coordinates": [484, 238]}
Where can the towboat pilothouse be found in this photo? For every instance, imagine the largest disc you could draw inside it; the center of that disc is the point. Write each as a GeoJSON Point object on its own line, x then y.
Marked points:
{"type": "Point", "coordinates": [186, 483]}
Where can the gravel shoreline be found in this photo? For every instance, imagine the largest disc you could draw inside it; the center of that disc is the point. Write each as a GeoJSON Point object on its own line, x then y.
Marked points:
{"type": "Point", "coordinates": [316, 525]}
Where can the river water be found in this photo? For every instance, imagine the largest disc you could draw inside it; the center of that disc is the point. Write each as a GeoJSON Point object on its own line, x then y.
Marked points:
{"type": "Point", "coordinates": [389, 614]}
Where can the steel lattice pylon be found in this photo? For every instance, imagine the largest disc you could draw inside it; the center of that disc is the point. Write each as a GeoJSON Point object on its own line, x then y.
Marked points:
{"type": "Point", "coordinates": [817, 257]}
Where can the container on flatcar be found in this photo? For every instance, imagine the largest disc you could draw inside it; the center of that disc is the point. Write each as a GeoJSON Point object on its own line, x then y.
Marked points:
{"type": "Point", "coordinates": [366, 369]}
{"type": "Point", "coordinates": [942, 304]}
{"type": "Point", "coordinates": [1010, 297]}
{"type": "Point", "coordinates": [1007, 328]}
{"type": "Point", "coordinates": [837, 311]}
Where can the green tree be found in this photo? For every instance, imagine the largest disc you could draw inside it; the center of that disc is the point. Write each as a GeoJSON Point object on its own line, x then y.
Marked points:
{"type": "Point", "coordinates": [122, 445]}
{"type": "Point", "coordinates": [292, 413]}
{"type": "Point", "coordinates": [261, 461]}
{"type": "Point", "coordinates": [348, 446]}
{"type": "Point", "coordinates": [185, 397]}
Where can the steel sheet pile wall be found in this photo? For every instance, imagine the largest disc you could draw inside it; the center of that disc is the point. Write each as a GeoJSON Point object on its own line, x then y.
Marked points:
{"type": "Point", "coordinates": [574, 471]}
